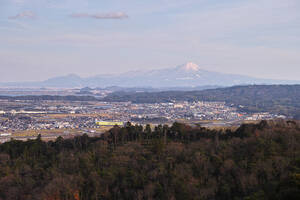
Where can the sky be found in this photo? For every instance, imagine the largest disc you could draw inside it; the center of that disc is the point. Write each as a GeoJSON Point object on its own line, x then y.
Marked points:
{"type": "Point", "coordinates": [40, 39]}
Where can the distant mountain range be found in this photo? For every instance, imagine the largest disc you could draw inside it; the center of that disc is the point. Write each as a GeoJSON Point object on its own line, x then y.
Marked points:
{"type": "Point", "coordinates": [187, 75]}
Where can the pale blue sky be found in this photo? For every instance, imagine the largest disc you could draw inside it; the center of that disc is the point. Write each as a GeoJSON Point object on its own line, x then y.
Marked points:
{"type": "Point", "coordinates": [45, 38]}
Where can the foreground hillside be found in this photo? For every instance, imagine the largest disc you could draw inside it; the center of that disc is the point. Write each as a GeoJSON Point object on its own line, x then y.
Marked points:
{"type": "Point", "coordinates": [283, 99]}
{"type": "Point", "coordinates": [180, 162]}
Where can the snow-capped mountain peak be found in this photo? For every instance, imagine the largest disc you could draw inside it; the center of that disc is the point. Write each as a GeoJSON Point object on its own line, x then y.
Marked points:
{"type": "Point", "coordinates": [187, 75]}
{"type": "Point", "coordinates": [190, 66]}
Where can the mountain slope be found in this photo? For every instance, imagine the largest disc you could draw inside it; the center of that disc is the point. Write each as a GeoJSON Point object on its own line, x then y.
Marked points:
{"type": "Point", "coordinates": [188, 75]}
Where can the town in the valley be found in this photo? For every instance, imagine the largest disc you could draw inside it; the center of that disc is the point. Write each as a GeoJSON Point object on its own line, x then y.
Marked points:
{"type": "Point", "coordinates": [26, 119]}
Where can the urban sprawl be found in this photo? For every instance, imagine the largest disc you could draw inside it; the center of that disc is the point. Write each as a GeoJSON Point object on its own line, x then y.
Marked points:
{"type": "Point", "coordinates": [26, 119]}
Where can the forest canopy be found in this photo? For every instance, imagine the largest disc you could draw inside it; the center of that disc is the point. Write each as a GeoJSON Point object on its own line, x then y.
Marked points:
{"type": "Point", "coordinates": [256, 161]}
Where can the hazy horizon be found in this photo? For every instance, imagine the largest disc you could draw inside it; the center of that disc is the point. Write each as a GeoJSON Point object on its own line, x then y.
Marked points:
{"type": "Point", "coordinates": [145, 71]}
{"type": "Point", "coordinates": [41, 39]}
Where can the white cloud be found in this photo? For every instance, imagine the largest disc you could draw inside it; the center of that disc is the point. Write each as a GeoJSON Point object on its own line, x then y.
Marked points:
{"type": "Point", "coordinates": [25, 14]}
{"type": "Point", "coordinates": [114, 15]}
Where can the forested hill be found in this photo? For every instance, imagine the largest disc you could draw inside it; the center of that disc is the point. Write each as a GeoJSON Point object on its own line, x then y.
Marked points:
{"type": "Point", "coordinates": [283, 99]}
{"type": "Point", "coordinates": [257, 161]}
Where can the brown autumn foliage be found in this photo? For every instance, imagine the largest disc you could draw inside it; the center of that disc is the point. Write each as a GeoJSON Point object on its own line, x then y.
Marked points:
{"type": "Point", "coordinates": [257, 161]}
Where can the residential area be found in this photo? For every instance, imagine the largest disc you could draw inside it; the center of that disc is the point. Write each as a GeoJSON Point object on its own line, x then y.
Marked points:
{"type": "Point", "coordinates": [27, 119]}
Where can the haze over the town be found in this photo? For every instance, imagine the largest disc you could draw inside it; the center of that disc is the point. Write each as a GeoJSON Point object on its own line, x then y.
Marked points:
{"type": "Point", "coordinates": [40, 39]}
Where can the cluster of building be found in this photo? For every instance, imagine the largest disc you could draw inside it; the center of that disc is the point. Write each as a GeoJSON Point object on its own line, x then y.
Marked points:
{"type": "Point", "coordinates": [16, 116]}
